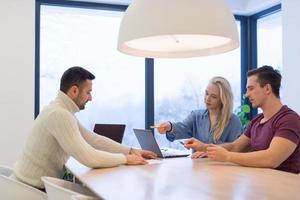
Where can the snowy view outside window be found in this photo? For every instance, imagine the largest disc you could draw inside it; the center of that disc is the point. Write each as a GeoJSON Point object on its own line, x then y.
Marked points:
{"type": "Point", "coordinates": [88, 38]}
{"type": "Point", "coordinates": [180, 85]}
{"type": "Point", "coordinates": [269, 41]}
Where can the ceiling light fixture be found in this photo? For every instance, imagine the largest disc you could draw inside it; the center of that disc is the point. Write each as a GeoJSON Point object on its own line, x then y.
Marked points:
{"type": "Point", "coordinates": [177, 28]}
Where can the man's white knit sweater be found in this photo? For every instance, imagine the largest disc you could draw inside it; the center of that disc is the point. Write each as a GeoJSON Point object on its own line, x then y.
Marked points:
{"type": "Point", "coordinates": [57, 135]}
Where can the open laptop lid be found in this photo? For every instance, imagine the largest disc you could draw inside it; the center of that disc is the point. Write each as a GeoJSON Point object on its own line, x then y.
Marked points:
{"type": "Point", "coordinates": [112, 131]}
{"type": "Point", "coordinates": [148, 142]}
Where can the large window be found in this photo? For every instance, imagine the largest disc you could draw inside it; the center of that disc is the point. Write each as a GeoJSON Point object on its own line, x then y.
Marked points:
{"type": "Point", "coordinates": [72, 36]}
{"type": "Point", "coordinates": [88, 38]}
{"type": "Point", "coordinates": [180, 85]}
{"type": "Point", "coordinates": [269, 41]}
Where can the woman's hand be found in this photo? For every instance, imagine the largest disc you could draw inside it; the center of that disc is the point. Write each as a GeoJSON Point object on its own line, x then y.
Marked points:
{"type": "Point", "coordinates": [163, 127]}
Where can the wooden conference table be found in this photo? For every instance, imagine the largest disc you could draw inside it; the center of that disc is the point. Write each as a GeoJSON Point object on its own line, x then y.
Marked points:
{"type": "Point", "coordinates": [184, 178]}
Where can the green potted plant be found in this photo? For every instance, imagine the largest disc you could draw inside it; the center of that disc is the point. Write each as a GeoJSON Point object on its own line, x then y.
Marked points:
{"type": "Point", "coordinates": [242, 112]}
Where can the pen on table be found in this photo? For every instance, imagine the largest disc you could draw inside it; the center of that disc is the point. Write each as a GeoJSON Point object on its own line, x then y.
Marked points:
{"type": "Point", "coordinates": [182, 142]}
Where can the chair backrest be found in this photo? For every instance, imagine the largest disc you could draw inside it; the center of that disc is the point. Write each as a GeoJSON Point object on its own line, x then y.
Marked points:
{"type": "Point", "coordinates": [12, 189]}
{"type": "Point", "coordinates": [6, 171]}
{"type": "Point", "coordinates": [112, 131]}
{"type": "Point", "coordinates": [58, 189]}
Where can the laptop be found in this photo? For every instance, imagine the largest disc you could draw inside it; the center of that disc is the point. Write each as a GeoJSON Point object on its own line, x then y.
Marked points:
{"type": "Point", "coordinates": [148, 142]}
{"type": "Point", "coordinates": [112, 131]}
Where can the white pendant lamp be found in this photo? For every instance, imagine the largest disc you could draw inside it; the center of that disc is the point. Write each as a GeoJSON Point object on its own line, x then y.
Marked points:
{"type": "Point", "coordinates": [177, 28]}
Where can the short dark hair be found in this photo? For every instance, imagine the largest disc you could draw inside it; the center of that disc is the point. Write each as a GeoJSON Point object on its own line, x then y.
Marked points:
{"type": "Point", "coordinates": [267, 75]}
{"type": "Point", "coordinates": [74, 76]}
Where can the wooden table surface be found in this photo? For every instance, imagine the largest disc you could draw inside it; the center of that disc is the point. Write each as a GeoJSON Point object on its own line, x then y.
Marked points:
{"type": "Point", "coordinates": [185, 178]}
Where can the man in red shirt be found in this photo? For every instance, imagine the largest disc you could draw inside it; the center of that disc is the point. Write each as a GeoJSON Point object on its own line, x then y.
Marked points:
{"type": "Point", "coordinates": [272, 139]}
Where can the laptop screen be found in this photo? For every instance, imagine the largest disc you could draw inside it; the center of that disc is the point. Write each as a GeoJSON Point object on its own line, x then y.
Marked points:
{"type": "Point", "coordinates": [112, 131]}
{"type": "Point", "coordinates": [148, 142]}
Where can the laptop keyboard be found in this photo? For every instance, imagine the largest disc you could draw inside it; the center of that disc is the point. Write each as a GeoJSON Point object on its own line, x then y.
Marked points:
{"type": "Point", "coordinates": [166, 154]}
{"type": "Point", "coordinates": [171, 153]}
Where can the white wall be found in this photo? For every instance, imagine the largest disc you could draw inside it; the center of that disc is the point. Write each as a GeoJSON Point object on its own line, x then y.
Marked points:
{"type": "Point", "coordinates": [17, 21]}
{"type": "Point", "coordinates": [291, 53]}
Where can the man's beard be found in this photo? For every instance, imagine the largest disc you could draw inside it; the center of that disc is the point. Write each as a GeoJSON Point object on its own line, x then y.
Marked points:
{"type": "Point", "coordinates": [82, 107]}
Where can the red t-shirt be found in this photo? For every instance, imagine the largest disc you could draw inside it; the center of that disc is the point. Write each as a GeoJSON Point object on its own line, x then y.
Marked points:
{"type": "Point", "coordinates": [285, 123]}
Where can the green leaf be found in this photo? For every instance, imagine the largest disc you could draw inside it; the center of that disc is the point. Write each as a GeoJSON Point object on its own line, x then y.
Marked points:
{"type": "Point", "coordinates": [246, 108]}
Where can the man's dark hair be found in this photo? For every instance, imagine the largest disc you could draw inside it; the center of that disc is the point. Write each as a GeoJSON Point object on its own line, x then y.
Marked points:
{"type": "Point", "coordinates": [267, 75]}
{"type": "Point", "coordinates": [74, 76]}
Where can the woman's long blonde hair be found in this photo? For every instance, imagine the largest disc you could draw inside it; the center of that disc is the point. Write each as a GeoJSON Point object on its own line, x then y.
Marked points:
{"type": "Point", "coordinates": [226, 97]}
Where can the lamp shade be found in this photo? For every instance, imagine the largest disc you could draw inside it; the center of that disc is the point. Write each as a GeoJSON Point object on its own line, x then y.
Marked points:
{"type": "Point", "coordinates": [177, 28]}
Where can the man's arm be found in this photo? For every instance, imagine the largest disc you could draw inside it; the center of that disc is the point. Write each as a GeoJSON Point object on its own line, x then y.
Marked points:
{"type": "Point", "coordinates": [63, 126]}
{"type": "Point", "coordinates": [239, 145]}
{"type": "Point", "coordinates": [102, 143]}
{"type": "Point", "coordinates": [106, 144]}
{"type": "Point", "coordinates": [242, 144]}
{"type": "Point", "coordinates": [280, 149]}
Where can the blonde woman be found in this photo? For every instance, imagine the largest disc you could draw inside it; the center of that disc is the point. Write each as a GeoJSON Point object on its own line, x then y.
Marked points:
{"type": "Point", "coordinates": [216, 124]}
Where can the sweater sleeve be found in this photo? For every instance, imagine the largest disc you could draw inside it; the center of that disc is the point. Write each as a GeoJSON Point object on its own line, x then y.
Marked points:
{"type": "Point", "coordinates": [63, 126]}
{"type": "Point", "coordinates": [102, 143]}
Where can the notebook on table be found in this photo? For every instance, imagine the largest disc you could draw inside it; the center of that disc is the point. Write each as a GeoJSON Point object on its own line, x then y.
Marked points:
{"type": "Point", "coordinates": [147, 142]}
{"type": "Point", "coordinates": [112, 131]}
